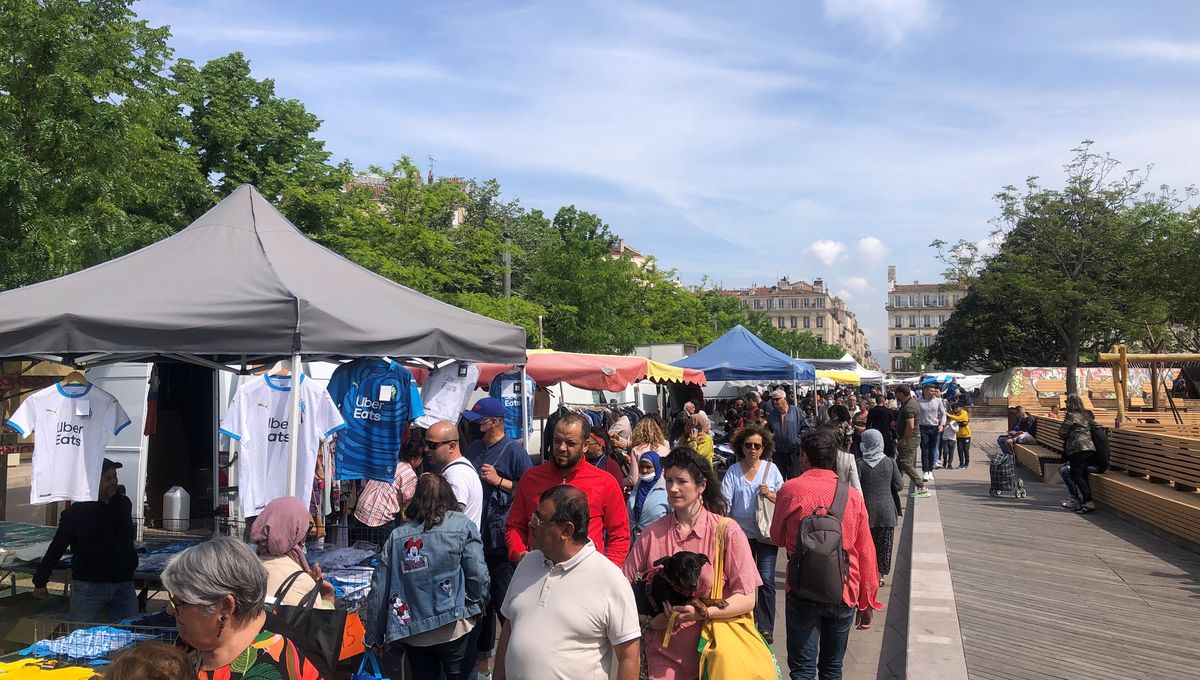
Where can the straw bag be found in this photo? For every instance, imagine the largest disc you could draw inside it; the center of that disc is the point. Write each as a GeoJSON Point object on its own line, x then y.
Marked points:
{"type": "Point", "coordinates": [733, 648]}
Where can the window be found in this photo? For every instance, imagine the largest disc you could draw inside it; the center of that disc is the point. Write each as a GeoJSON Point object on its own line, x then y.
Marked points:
{"type": "Point", "coordinates": [898, 364]}
{"type": "Point", "coordinates": [781, 322]}
{"type": "Point", "coordinates": [912, 320]}
{"type": "Point", "coordinates": [941, 301]}
{"type": "Point", "coordinates": [793, 322]}
{"type": "Point", "coordinates": [898, 321]}
{"type": "Point", "coordinates": [941, 320]}
{"type": "Point", "coordinates": [896, 301]}
{"type": "Point", "coordinates": [925, 321]}
{"type": "Point", "coordinates": [912, 342]}
{"type": "Point", "coordinates": [771, 303]}
{"type": "Point", "coordinates": [807, 302]}
{"type": "Point", "coordinates": [794, 303]}
{"type": "Point", "coordinates": [912, 300]}
{"type": "Point", "coordinates": [806, 321]}
{"type": "Point", "coordinates": [899, 342]}
{"type": "Point", "coordinates": [820, 322]}
{"type": "Point", "coordinates": [820, 303]}
{"type": "Point", "coordinates": [926, 340]}
{"type": "Point", "coordinates": [757, 303]}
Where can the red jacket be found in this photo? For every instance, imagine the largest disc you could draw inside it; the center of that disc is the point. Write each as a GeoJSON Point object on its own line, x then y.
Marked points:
{"type": "Point", "coordinates": [609, 516]}
{"type": "Point", "coordinates": [797, 498]}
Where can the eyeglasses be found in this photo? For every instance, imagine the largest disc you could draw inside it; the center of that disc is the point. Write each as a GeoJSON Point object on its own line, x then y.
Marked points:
{"type": "Point", "coordinates": [431, 444]}
{"type": "Point", "coordinates": [535, 521]}
{"type": "Point", "coordinates": [752, 446]}
{"type": "Point", "coordinates": [172, 605]}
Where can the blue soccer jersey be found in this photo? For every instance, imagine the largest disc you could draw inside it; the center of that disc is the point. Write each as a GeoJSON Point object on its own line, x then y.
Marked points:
{"type": "Point", "coordinates": [507, 388]}
{"type": "Point", "coordinates": [377, 398]}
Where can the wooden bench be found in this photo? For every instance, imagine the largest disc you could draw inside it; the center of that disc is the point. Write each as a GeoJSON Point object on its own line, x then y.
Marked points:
{"type": "Point", "coordinates": [1161, 473]}
{"type": "Point", "coordinates": [1039, 460]}
{"type": "Point", "coordinates": [1159, 505]}
{"type": "Point", "coordinates": [1103, 393]}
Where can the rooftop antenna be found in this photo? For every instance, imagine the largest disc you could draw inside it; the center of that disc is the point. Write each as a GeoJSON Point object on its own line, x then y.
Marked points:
{"type": "Point", "coordinates": [432, 162]}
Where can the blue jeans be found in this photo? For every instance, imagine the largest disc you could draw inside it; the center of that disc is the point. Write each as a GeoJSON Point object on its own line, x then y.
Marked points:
{"type": "Point", "coordinates": [765, 556]}
{"type": "Point", "coordinates": [1065, 473]}
{"type": "Point", "coordinates": [100, 602]}
{"type": "Point", "coordinates": [931, 439]}
{"type": "Point", "coordinates": [501, 571]}
{"type": "Point", "coordinates": [816, 638]}
{"type": "Point", "coordinates": [1020, 438]}
{"type": "Point", "coordinates": [454, 660]}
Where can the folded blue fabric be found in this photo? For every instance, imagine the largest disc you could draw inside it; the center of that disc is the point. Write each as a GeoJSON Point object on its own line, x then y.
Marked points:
{"type": "Point", "coordinates": [87, 643]}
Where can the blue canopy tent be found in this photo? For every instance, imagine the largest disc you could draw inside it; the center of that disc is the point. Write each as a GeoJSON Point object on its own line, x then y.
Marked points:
{"type": "Point", "coordinates": [741, 355]}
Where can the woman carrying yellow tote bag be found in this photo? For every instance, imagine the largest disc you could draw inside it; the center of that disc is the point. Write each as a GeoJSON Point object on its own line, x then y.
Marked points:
{"type": "Point", "coordinates": [733, 648]}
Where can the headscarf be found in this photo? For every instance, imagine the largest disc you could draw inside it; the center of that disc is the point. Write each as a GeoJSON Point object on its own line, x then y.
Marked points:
{"type": "Point", "coordinates": [280, 529]}
{"type": "Point", "coordinates": [872, 447]}
{"type": "Point", "coordinates": [644, 488]}
{"type": "Point", "coordinates": [700, 418]}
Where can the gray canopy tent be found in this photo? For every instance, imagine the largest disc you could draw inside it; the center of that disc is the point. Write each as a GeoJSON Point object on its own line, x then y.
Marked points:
{"type": "Point", "coordinates": [241, 286]}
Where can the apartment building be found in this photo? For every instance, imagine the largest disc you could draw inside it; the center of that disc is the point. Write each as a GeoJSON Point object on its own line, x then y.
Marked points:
{"type": "Point", "coordinates": [801, 306]}
{"type": "Point", "coordinates": [916, 313]}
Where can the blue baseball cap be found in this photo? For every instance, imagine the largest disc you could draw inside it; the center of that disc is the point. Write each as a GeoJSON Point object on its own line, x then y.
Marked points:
{"type": "Point", "coordinates": [488, 407]}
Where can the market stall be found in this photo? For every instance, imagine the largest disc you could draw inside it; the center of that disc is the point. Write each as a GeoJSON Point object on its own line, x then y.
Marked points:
{"type": "Point", "coordinates": [237, 291]}
{"type": "Point", "coordinates": [740, 359]}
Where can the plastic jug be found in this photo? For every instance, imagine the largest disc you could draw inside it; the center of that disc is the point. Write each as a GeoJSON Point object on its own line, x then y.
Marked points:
{"type": "Point", "coordinates": [177, 509]}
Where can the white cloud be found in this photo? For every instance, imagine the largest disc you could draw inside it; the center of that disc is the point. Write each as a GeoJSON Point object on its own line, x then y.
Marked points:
{"type": "Point", "coordinates": [843, 294]}
{"type": "Point", "coordinates": [856, 284]}
{"type": "Point", "coordinates": [872, 249]}
{"type": "Point", "coordinates": [827, 251]}
{"type": "Point", "coordinates": [889, 20]}
{"type": "Point", "coordinates": [1156, 49]}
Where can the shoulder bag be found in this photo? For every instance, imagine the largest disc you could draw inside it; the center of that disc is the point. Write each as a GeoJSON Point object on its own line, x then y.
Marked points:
{"type": "Point", "coordinates": [326, 637]}
{"type": "Point", "coordinates": [764, 509]}
{"type": "Point", "coordinates": [733, 647]}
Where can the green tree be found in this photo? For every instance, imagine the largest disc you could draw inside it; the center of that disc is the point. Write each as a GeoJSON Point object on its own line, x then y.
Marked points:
{"type": "Point", "coordinates": [590, 297]}
{"type": "Point", "coordinates": [988, 334]}
{"type": "Point", "coordinates": [90, 161]}
{"type": "Point", "coordinates": [1069, 263]}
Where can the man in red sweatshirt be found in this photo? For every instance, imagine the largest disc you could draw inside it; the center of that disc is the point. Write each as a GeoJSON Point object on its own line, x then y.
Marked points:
{"type": "Point", "coordinates": [608, 526]}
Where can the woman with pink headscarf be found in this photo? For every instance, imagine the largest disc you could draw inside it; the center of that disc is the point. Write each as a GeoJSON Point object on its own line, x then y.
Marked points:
{"type": "Point", "coordinates": [279, 532]}
{"type": "Point", "coordinates": [700, 436]}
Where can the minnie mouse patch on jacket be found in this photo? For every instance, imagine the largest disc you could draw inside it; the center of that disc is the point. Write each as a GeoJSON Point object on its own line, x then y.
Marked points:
{"type": "Point", "coordinates": [400, 610]}
{"type": "Point", "coordinates": [414, 557]}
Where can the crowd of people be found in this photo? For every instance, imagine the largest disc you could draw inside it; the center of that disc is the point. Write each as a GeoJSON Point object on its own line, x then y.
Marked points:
{"type": "Point", "coordinates": [489, 562]}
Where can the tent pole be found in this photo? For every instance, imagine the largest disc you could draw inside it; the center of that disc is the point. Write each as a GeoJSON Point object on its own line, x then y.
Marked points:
{"type": "Point", "coordinates": [294, 427]}
{"type": "Point", "coordinates": [524, 412]}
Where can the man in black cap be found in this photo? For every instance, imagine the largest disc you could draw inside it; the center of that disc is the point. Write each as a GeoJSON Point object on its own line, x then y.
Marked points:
{"type": "Point", "coordinates": [100, 536]}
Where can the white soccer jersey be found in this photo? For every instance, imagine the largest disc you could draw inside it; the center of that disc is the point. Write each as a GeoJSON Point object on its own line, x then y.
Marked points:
{"type": "Point", "coordinates": [447, 392]}
{"type": "Point", "coordinates": [71, 425]}
{"type": "Point", "coordinates": [258, 419]}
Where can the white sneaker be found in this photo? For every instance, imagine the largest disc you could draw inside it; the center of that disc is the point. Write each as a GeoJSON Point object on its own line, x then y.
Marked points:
{"type": "Point", "coordinates": [931, 477]}
{"type": "Point", "coordinates": [925, 477]}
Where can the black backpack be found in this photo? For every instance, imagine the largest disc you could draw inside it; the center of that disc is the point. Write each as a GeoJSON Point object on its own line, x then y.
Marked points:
{"type": "Point", "coordinates": [818, 570]}
{"type": "Point", "coordinates": [1099, 459]}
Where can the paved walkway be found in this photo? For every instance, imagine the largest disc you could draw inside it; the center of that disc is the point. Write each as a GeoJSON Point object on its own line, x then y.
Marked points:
{"type": "Point", "coordinates": [1043, 593]}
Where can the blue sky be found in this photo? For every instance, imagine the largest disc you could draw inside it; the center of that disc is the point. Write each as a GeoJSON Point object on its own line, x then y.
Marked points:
{"type": "Point", "coordinates": [738, 140]}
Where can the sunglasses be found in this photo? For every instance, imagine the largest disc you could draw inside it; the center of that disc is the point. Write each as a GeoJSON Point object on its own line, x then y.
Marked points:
{"type": "Point", "coordinates": [432, 444]}
{"type": "Point", "coordinates": [752, 446]}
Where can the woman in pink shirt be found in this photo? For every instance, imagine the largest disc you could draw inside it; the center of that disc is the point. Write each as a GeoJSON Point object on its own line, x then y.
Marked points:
{"type": "Point", "coordinates": [696, 509]}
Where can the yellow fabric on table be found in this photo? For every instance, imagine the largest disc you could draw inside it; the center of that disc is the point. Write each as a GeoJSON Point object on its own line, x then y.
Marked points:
{"type": "Point", "coordinates": [31, 669]}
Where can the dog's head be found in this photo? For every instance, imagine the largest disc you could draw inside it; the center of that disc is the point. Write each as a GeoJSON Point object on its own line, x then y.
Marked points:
{"type": "Point", "coordinates": [682, 570]}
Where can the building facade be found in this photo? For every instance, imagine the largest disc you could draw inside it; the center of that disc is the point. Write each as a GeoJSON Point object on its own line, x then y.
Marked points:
{"type": "Point", "coordinates": [806, 307]}
{"type": "Point", "coordinates": [916, 313]}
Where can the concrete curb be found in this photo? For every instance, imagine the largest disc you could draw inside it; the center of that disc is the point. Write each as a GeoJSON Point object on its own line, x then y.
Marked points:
{"type": "Point", "coordinates": [934, 645]}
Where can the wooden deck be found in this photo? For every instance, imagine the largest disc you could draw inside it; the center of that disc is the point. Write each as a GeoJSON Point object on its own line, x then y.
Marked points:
{"type": "Point", "coordinates": [1043, 593]}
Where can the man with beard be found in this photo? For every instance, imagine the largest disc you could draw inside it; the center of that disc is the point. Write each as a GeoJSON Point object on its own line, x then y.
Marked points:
{"type": "Point", "coordinates": [608, 525]}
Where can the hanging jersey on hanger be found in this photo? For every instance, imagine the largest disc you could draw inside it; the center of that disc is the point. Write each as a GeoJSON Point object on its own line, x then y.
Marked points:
{"type": "Point", "coordinates": [258, 419]}
{"type": "Point", "coordinates": [377, 398]}
{"type": "Point", "coordinates": [71, 425]}
{"type": "Point", "coordinates": [507, 388]}
{"type": "Point", "coordinates": [447, 392]}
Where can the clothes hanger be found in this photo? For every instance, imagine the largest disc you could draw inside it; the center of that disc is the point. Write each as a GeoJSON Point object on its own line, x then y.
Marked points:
{"type": "Point", "coordinates": [74, 378]}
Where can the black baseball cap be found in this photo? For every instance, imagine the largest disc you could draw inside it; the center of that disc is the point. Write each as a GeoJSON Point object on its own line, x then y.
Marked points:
{"type": "Point", "coordinates": [110, 465]}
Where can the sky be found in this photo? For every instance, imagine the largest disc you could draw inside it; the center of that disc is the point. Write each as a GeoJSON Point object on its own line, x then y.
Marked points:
{"type": "Point", "coordinates": [738, 141]}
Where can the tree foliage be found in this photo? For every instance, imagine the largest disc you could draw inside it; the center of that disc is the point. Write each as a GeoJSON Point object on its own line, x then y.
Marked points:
{"type": "Point", "coordinates": [108, 143]}
{"type": "Point", "coordinates": [1075, 271]}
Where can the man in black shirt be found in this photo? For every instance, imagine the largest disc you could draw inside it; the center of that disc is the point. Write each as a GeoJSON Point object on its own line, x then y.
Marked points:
{"type": "Point", "coordinates": [100, 535]}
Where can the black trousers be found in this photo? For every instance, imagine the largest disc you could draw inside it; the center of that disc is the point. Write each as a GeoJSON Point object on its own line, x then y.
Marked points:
{"type": "Point", "coordinates": [1079, 475]}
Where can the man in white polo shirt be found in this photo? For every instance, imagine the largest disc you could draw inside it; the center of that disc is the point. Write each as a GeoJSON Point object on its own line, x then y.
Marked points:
{"type": "Point", "coordinates": [571, 614]}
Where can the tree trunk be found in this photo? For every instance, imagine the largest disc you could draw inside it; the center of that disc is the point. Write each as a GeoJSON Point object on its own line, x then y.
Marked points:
{"type": "Point", "coordinates": [1072, 364]}
{"type": "Point", "coordinates": [1154, 386]}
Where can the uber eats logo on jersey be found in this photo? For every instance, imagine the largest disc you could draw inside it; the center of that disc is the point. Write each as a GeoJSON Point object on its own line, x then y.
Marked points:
{"type": "Point", "coordinates": [366, 408]}
{"type": "Point", "coordinates": [277, 430]}
{"type": "Point", "coordinates": [68, 434]}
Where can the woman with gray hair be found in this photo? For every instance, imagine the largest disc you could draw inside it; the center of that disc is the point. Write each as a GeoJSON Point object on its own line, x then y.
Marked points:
{"type": "Point", "coordinates": [217, 592]}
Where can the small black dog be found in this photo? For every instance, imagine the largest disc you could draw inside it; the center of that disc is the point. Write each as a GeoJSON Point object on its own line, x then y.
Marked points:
{"type": "Point", "coordinates": [672, 585]}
